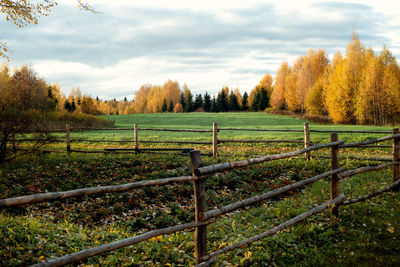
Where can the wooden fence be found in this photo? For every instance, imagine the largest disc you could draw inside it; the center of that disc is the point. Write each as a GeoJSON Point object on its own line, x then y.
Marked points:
{"type": "Point", "coordinates": [203, 217]}
{"type": "Point", "coordinates": [214, 142]}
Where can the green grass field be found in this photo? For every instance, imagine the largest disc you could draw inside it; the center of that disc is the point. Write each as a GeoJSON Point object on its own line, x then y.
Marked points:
{"type": "Point", "coordinates": [364, 234]}
{"type": "Point", "coordinates": [204, 121]}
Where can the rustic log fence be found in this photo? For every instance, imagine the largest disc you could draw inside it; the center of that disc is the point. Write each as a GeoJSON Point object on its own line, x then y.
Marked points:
{"type": "Point", "coordinates": [214, 142]}
{"type": "Point", "coordinates": [203, 217]}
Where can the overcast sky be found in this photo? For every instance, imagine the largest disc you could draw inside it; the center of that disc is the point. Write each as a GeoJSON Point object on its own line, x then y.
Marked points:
{"type": "Point", "coordinates": [205, 44]}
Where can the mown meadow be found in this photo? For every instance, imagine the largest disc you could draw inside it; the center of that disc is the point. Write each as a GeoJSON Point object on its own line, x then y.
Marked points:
{"type": "Point", "coordinates": [364, 234]}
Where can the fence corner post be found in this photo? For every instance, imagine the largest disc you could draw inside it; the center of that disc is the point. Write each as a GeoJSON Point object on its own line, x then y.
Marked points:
{"type": "Point", "coordinates": [136, 131]}
{"type": "Point", "coordinates": [215, 139]}
{"type": "Point", "coordinates": [68, 137]}
{"type": "Point", "coordinates": [200, 234]}
{"type": "Point", "coordinates": [334, 177]}
{"type": "Point", "coordinates": [307, 141]}
{"type": "Point", "coordinates": [396, 157]}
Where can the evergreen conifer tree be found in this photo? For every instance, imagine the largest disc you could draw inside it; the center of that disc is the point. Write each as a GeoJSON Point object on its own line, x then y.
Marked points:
{"type": "Point", "coordinates": [245, 99]}
{"type": "Point", "coordinates": [207, 102]}
{"type": "Point", "coordinates": [182, 100]}
{"type": "Point", "coordinates": [233, 102]}
{"type": "Point", "coordinates": [171, 106]}
{"type": "Point", "coordinates": [214, 105]}
{"type": "Point", "coordinates": [189, 103]}
{"type": "Point", "coordinates": [164, 106]}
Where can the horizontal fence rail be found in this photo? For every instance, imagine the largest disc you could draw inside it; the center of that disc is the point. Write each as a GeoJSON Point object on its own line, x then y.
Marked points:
{"type": "Point", "coordinates": [366, 169]}
{"type": "Point", "coordinates": [250, 201]}
{"type": "Point", "coordinates": [260, 130]}
{"type": "Point", "coordinates": [373, 194]}
{"type": "Point", "coordinates": [238, 164]}
{"type": "Point", "coordinates": [258, 141]}
{"type": "Point", "coordinates": [30, 199]}
{"type": "Point", "coordinates": [88, 253]}
{"type": "Point", "coordinates": [370, 141]}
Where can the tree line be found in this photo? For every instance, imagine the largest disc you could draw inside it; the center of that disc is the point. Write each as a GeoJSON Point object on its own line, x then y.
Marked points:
{"type": "Point", "coordinates": [171, 98]}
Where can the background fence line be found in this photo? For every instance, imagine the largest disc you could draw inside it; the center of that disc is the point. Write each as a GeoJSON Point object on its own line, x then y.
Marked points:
{"type": "Point", "coordinates": [213, 142]}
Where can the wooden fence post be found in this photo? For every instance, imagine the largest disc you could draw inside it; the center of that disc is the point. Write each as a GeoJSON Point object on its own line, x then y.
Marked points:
{"type": "Point", "coordinates": [396, 157]}
{"type": "Point", "coordinates": [68, 137]}
{"type": "Point", "coordinates": [215, 139]}
{"type": "Point", "coordinates": [200, 235]}
{"type": "Point", "coordinates": [136, 131]}
{"type": "Point", "coordinates": [307, 141]}
{"type": "Point", "coordinates": [334, 177]}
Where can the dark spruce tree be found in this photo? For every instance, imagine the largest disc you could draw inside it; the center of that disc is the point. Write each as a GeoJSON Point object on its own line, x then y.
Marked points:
{"type": "Point", "coordinates": [164, 106]}
{"type": "Point", "coordinates": [207, 102]}
{"type": "Point", "coordinates": [264, 101]}
{"type": "Point", "coordinates": [233, 102]}
{"type": "Point", "coordinates": [256, 101]}
{"type": "Point", "coordinates": [67, 106]}
{"type": "Point", "coordinates": [260, 101]}
{"type": "Point", "coordinates": [189, 102]}
{"type": "Point", "coordinates": [182, 100]}
{"type": "Point", "coordinates": [198, 102]}
{"type": "Point", "coordinates": [73, 106]}
{"type": "Point", "coordinates": [171, 106]}
{"type": "Point", "coordinates": [245, 100]}
{"type": "Point", "coordinates": [52, 103]}
{"type": "Point", "coordinates": [222, 101]}
{"type": "Point", "coordinates": [214, 105]}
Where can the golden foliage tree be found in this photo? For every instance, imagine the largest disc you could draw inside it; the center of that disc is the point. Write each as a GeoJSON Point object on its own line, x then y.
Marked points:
{"type": "Point", "coordinates": [344, 85]}
{"type": "Point", "coordinates": [369, 99]}
{"type": "Point", "coordinates": [312, 66]}
{"type": "Point", "coordinates": [24, 104]}
{"type": "Point", "coordinates": [178, 108]}
{"type": "Point", "coordinates": [291, 86]}
{"type": "Point", "coordinates": [390, 88]}
{"type": "Point", "coordinates": [154, 100]}
{"type": "Point", "coordinates": [278, 94]}
{"type": "Point", "coordinates": [266, 82]}
{"type": "Point", "coordinates": [315, 100]}
{"type": "Point", "coordinates": [236, 92]}
{"type": "Point", "coordinates": [170, 91]}
{"type": "Point", "coordinates": [140, 105]}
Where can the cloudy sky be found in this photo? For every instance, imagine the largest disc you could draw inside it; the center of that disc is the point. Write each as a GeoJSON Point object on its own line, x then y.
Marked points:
{"type": "Point", "coordinates": [205, 44]}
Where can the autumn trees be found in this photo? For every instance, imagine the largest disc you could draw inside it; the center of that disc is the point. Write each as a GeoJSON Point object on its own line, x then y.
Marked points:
{"type": "Point", "coordinates": [25, 102]}
{"type": "Point", "coordinates": [361, 87]}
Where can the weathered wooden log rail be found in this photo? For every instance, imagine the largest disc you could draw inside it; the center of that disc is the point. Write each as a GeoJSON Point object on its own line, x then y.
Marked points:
{"type": "Point", "coordinates": [204, 217]}
{"type": "Point", "coordinates": [214, 141]}
{"type": "Point", "coordinates": [51, 196]}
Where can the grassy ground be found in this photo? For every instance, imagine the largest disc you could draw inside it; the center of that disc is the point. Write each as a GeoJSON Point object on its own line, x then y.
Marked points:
{"type": "Point", "coordinates": [364, 234]}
